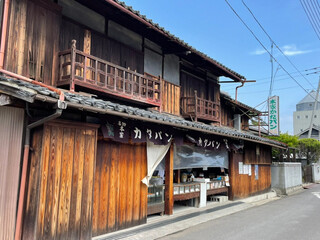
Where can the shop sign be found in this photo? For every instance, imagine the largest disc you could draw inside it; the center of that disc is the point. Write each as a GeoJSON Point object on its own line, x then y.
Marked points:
{"type": "Point", "coordinates": [123, 130]}
{"type": "Point", "coordinates": [273, 105]}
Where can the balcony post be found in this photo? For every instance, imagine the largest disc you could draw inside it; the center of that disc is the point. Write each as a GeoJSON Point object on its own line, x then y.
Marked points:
{"type": "Point", "coordinates": [196, 105]}
{"type": "Point", "coordinates": [160, 93]}
{"type": "Point", "coordinates": [73, 60]}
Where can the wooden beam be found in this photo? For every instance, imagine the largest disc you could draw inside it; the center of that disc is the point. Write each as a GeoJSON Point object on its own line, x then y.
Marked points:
{"type": "Point", "coordinates": [169, 182]}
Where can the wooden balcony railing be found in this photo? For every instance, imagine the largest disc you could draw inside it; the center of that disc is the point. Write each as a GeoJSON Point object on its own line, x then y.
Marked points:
{"type": "Point", "coordinates": [199, 108]}
{"type": "Point", "coordinates": [79, 68]}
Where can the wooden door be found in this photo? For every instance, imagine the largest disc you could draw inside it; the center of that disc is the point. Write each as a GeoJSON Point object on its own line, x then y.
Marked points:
{"type": "Point", "coordinates": [60, 184]}
{"type": "Point", "coordinates": [120, 198]}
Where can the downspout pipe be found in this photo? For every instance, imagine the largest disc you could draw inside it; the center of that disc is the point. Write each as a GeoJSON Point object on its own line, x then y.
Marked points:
{"type": "Point", "coordinates": [236, 95]}
{"type": "Point", "coordinates": [4, 28]}
{"type": "Point", "coordinates": [19, 220]}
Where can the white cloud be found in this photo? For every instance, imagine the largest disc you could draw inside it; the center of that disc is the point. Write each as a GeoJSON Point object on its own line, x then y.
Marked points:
{"type": "Point", "coordinates": [288, 50]}
{"type": "Point", "coordinates": [292, 50]}
{"type": "Point", "coordinates": [259, 52]}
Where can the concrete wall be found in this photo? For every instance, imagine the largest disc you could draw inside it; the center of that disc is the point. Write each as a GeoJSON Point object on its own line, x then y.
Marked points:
{"type": "Point", "coordinates": [316, 172]}
{"type": "Point", "coordinates": [286, 177]}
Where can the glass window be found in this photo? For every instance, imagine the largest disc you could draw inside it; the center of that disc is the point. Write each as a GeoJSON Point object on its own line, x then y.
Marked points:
{"type": "Point", "coordinates": [315, 116]}
{"type": "Point", "coordinates": [298, 117]}
{"type": "Point", "coordinates": [306, 116]}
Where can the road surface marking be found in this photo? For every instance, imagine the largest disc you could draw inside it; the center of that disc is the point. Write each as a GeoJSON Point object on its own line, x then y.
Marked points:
{"type": "Point", "coordinates": [317, 194]}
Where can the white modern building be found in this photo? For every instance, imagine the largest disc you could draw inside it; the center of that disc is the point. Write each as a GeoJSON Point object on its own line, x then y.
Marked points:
{"type": "Point", "coordinates": [303, 113]}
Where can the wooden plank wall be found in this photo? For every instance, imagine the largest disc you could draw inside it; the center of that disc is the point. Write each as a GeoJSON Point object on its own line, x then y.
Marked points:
{"type": "Point", "coordinates": [60, 185]}
{"type": "Point", "coordinates": [116, 52]}
{"type": "Point", "coordinates": [33, 36]}
{"type": "Point", "coordinates": [170, 98]}
{"type": "Point", "coordinates": [11, 129]}
{"type": "Point", "coordinates": [226, 115]}
{"type": "Point", "coordinates": [120, 198]}
{"type": "Point", "coordinates": [190, 83]}
{"type": "Point", "coordinates": [243, 185]}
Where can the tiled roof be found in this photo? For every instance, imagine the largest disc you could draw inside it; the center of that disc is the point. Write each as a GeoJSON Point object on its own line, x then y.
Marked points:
{"type": "Point", "coordinates": [86, 103]}
{"type": "Point", "coordinates": [178, 40]}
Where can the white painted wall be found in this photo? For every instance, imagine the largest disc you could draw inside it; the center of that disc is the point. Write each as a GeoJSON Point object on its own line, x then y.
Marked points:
{"type": "Point", "coordinates": [316, 172]}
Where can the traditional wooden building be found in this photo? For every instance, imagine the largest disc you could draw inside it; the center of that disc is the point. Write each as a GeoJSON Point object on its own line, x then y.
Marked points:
{"type": "Point", "coordinates": [107, 116]}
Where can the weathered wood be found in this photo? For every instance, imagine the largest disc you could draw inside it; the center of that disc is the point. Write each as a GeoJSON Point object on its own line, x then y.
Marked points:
{"type": "Point", "coordinates": [121, 199]}
{"type": "Point", "coordinates": [243, 185]}
{"type": "Point", "coordinates": [43, 181]}
{"type": "Point", "coordinates": [144, 188]}
{"type": "Point", "coordinates": [59, 203]}
{"type": "Point", "coordinates": [78, 67]}
{"type": "Point", "coordinates": [32, 39]}
{"type": "Point", "coordinates": [32, 200]}
{"type": "Point", "coordinates": [169, 182]}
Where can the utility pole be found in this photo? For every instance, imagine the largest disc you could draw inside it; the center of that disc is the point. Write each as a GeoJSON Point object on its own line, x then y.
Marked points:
{"type": "Point", "coordinates": [314, 108]}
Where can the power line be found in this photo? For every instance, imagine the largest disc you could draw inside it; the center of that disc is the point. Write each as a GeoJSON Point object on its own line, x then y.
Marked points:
{"type": "Point", "coordinates": [263, 91]}
{"type": "Point", "coordinates": [275, 43]}
{"type": "Point", "coordinates": [266, 48]}
{"type": "Point", "coordinates": [305, 70]}
{"type": "Point", "coordinates": [311, 22]}
{"type": "Point", "coordinates": [266, 82]}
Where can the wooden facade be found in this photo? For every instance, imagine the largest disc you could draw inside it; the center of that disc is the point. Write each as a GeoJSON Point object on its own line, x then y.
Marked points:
{"type": "Point", "coordinates": [34, 32]}
{"type": "Point", "coordinates": [80, 184]}
{"type": "Point", "coordinates": [243, 185]}
{"type": "Point", "coordinates": [120, 198]}
{"type": "Point", "coordinates": [60, 186]}
{"type": "Point", "coordinates": [200, 98]}
{"type": "Point", "coordinates": [170, 98]}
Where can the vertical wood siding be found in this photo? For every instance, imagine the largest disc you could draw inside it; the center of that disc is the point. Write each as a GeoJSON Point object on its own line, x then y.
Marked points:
{"type": "Point", "coordinates": [226, 115]}
{"type": "Point", "coordinates": [170, 98]}
{"type": "Point", "coordinates": [11, 129]}
{"type": "Point", "coordinates": [243, 185]}
{"type": "Point", "coordinates": [33, 37]}
{"type": "Point", "coordinates": [60, 185]}
{"type": "Point", "coordinates": [120, 198]}
{"type": "Point", "coordinates": [117, 53]}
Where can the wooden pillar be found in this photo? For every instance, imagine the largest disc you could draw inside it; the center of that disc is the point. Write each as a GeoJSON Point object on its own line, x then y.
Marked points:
{"type": "Point", "coordinates": [169, 182]}
{"type": "Point", "coordinates": [87, 50]}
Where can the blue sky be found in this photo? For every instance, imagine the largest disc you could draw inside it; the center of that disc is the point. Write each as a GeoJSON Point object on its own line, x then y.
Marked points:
{"type": "Point", "coordinates": [212, 27]}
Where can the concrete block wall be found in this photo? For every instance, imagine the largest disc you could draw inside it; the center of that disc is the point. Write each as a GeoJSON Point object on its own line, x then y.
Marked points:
{"type": "Point", "coordinates": [286, 177]}
{"type": "Point", "coordinates": [316, 172]}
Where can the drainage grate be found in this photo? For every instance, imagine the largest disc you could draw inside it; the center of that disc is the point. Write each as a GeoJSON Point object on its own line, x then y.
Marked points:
{"type": "Point", "coordinates": [167, 222]}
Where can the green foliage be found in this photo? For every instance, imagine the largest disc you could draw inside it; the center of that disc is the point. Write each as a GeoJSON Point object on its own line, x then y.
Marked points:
{"type": "Point", "coordinates": [309, 148]}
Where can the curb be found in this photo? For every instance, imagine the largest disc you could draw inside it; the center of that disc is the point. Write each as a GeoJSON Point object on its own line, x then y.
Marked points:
{"type": "Point", "coordinates": [166, 225]}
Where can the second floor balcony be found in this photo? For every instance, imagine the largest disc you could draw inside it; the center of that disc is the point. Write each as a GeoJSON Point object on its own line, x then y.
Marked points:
{"type": "Point", "coordinates": [198, 108]}
{"type": "Point", "coordinates": [77, 68]}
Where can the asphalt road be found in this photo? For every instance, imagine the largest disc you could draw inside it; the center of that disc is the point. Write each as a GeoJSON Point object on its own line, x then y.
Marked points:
{"type": "Point", "coordinates": [291, 217]}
